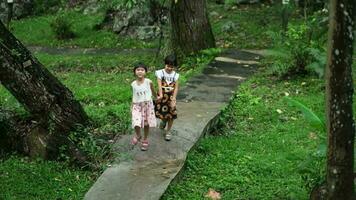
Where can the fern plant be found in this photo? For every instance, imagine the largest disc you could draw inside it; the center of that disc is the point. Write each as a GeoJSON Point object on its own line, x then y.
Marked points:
{"type": "Point", "coordinates": [289, 55]}
{"type": "Point", "coordinates": [318, 63]}
{"type": "Point", "coordinates": [295, 52]}
{"type": "Point", "coordinates": [62, 27]}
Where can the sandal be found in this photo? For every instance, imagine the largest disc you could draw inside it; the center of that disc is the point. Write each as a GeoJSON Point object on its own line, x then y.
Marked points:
{"type": "Point", "coordinates": [135, 140]}
{"type": "Point", "coordinates": [144, 145]}
{"type": "Point", "coordinates": [168, 136]}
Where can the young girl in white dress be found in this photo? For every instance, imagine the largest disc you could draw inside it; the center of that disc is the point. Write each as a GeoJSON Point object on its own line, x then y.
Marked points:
{"type": "Point", "coordinates": [143, 116]}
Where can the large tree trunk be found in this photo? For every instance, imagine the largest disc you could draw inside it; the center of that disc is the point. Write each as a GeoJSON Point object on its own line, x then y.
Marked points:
{"type": "Point", "coordinates": [49, 102]}
{"type": "Point", "coordinates": [339, 91]}
{"type": "Point", "coordinates": [191, 30]}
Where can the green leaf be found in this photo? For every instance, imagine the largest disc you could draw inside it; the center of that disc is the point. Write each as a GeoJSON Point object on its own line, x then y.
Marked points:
{"type": "Point", "coordinates": [321, 151]}
{"type": "Point", "coordinates": [211, 51]}
{"type": "Point", "coordinates": [282, 53]}
{"type": "Point", "coordinates": [309, 115]}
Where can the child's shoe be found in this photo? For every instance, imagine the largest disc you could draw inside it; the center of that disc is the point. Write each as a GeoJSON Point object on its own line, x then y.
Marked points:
{"type": "Point", "coordinates": [144, 145]}
{"type": "Point", "coordinates": [135, 140]}
{"type": "Point", "coordinates": [168, 136]}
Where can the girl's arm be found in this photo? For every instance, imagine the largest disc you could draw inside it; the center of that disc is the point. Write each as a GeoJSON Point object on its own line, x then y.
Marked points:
{"type": "Point", "coordinates": [160, 93]}
{"type": "Point", "coordinates": [174, 100]}
{"type": "Point", "coordinates": [153, 90]}
{"type": "Point", "coordinates": [175, 91]}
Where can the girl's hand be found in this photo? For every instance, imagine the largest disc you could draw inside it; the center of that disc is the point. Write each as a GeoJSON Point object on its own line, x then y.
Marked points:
{"type": "Point", "coordinates": [173, 103]}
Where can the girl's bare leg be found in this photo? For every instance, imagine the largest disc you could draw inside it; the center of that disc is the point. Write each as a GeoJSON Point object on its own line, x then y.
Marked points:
{"type": "Point", "coordinates": [138, 131]}
{"type": "Point", "coordinates": [170, 124]}
{"type": "Point", "coordinates": [146, 131]}
{"type": "Point", "coordinates": [169, 127]}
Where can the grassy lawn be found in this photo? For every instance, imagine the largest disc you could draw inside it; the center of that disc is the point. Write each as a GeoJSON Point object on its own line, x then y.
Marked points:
{"type": "Point", "coordinates": [102, 85]}
{"type": "Point", "coordinates": [255, 153]}
{"type": "Point", "coordinates": [25, 179]}
{"type": "Point", "coordinates": [259, 151]}
{"type": "Point", "coordinates": [36, 30]}
{"type": "Point", "coordinates": [264, 148]}
{"type": "Point", "coordinates": [252, 24]}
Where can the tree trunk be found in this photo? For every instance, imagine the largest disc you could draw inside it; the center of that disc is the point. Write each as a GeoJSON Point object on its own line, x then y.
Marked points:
{"type": "Point", "coordinates": [339, 91]}
{"type": "Point", "coordinates": [191, 30]}
{"type": "Point", "coordinates": [49, 102]}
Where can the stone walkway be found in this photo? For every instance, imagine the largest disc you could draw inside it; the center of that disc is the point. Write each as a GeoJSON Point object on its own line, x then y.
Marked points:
{"type": "Point", "coordinates": [138, 175]}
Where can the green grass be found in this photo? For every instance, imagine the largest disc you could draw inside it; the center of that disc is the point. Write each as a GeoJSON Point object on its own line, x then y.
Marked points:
{"type": "Point", "coordinates": [102, 85]}
{"type": "Point", "coordinates": [36, 30]}
{"type": "Point", "coordinates": [25, 179]}
{"type": "Point", "coordinates": [259, 148]}
{"type": "Point", "coordinates": [259, 152]}
{"type": "Point", "coordinates": [251, 22]}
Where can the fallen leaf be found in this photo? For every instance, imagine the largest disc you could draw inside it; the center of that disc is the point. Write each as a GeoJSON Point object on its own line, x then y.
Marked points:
{"type": "Point", "coordinates": [279, 111]}
{"type": "Point", "coordinates": [312, 136]}
{"type": "Point", "coordinates": [212, 194]}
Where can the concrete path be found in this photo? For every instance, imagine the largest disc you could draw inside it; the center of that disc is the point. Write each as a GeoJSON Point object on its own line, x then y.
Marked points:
{"type": "Point", "coordinates": [138, 175]}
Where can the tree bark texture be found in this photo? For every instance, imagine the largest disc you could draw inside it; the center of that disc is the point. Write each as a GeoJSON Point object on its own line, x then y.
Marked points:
{"type": "Point", "coordinates": [339, 91]}
{"type": "Point", "coordinates": [48, 101]}
{"type": "Point", "coordinates": [191, 30]}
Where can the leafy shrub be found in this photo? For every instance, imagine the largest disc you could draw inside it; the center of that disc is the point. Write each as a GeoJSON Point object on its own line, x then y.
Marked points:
{"type": "Point", "coordinates": [301, 49]}
{"type": "Point", "coordinates": [290, 54]}
{"type": "Point", "coordinates": [45, 6]}
{"type": "Point", "coordinates": [62, 27]}
{"type": "Point", "coordinates": [97, 149]}
{"type": "Point", "coordinates": [122, 4]}
{"type": "Point", "coordinates": [318, 61]}
{"type": "Point", "coordinates": [295, 53]}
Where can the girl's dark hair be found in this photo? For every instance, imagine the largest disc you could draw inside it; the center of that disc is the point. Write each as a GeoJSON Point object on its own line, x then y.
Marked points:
{"type": "Point", "coordinates": [171, 60]}
{"type": "Point", "coordinates": [139, 65]}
